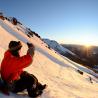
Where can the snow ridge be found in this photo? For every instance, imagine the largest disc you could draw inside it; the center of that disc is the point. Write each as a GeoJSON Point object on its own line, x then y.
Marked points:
{"type": "Point", "coordinates": [56, 46]}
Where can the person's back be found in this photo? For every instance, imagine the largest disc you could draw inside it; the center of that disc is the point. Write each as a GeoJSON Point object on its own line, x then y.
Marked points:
{"type": "Point", "coordinates": [12, 70]}
{"type": "Point", "coordinates": [12, 66]}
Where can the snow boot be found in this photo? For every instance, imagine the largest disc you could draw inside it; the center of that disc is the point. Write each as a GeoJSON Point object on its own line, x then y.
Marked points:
{"type": "Point", "coordinates": [35, 94]}
{"type": "Point", "coordinates": [42, 87]}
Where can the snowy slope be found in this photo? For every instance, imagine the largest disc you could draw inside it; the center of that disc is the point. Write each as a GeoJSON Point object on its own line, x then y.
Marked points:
{"type": "Point", "coordinates": [57, 47]}
{"type": "Point", "coordinates": [60, 73]}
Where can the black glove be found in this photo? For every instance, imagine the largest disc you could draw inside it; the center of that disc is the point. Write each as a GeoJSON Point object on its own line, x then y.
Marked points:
{"type": "Point", "coordinates": [31, 49]}
{"type": "Point", "coordinates": [30, 45]}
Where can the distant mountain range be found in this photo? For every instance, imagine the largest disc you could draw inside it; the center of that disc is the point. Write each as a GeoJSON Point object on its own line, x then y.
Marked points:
{"type": "Point", "coordinates": [77, 53]}
{"type": "Point", "coordinates": [57, 47]}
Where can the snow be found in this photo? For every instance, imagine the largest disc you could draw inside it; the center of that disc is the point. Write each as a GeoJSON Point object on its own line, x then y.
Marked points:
{"type": "Point", "coordinates": [60, 73]}
{"type": "Point", "coordinates": [56, 46]}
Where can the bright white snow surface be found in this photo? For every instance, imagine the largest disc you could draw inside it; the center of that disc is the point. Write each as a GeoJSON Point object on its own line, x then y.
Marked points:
{"type": "Point", "coordinates": [58, 72]}
{"type": "Point", "coordinates": [56, 46]}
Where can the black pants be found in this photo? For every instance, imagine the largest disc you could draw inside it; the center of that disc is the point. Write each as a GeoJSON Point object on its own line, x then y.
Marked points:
{"type": "Point", "coordinates": [27, 81]}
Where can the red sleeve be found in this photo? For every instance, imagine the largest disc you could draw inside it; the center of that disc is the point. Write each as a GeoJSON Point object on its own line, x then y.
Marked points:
{"type": "Point", "coordinates": [21, 62]}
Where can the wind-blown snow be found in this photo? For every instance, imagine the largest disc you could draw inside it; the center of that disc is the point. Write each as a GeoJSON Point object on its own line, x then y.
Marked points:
{"type": "Point", "coordinates": [60, 73]}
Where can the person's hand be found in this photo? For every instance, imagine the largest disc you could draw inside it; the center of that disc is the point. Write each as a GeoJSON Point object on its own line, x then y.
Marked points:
{"type": "Point", "coordinates": [31, 48]}
{"type": "Point", "coordinates": [30, 45]}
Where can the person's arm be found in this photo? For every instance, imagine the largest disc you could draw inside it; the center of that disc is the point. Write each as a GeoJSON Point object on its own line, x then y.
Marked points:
{"type": "Point", "coordinates": [25, 60]}
{"type": "Point", "coordinates": [21, 62]}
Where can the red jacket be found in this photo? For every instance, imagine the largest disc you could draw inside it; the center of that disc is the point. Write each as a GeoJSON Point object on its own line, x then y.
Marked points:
{"type": "Point", "coordinates": [12, 67]}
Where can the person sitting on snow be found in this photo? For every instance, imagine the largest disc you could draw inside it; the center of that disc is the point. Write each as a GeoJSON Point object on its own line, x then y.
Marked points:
{"type": "Point", "coordinates": [12, 70]}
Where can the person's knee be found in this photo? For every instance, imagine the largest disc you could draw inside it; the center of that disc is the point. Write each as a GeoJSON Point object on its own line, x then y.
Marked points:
{"type": "Point", "coordinates": [33, 78]}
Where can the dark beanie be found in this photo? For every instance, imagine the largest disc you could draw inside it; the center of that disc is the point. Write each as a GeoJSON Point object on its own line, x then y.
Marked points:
{"type": "Point", "coordinates": [15, 45]}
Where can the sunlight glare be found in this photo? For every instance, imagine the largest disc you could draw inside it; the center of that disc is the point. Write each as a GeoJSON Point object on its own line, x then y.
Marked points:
{"type": "Point", "coordinates": [87, 45]}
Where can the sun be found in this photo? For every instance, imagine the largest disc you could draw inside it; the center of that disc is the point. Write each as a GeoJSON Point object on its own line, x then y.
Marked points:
{"type": "Point", "coordinates": [87, 45]}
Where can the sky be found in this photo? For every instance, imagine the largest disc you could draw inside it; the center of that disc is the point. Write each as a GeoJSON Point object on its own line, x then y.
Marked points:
{"type": "Point", "coordinates": [66, 21]}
